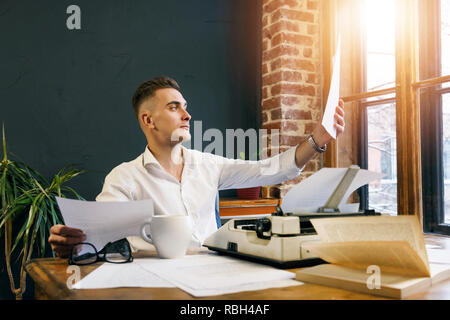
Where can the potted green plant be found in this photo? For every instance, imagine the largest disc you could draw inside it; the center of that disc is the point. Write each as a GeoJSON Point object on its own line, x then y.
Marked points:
{"type": "Point", "coordinates": [251, 193]}
{"type": "Point", "coordinates": [26, 196]}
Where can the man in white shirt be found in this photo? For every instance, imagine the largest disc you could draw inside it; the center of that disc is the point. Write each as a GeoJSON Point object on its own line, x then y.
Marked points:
{"type": "Point", "coordinates": [184, 181]}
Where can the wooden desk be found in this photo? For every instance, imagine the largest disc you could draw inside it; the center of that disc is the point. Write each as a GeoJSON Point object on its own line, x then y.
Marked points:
{"type": "Point", "coordinates": [230, 207]}
{"type": "Point", "coordinates": [50, 277]}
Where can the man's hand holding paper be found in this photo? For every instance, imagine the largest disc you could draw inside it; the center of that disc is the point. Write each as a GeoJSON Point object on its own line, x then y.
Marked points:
{"type": "Point", "coordinates": [63, 238]}
{"type": "Point", "coordinates": [322, 134]}
{"type": "Point", "coordinates": [332, 124]}
{"type": "Point", "coordinates": [97, 222]}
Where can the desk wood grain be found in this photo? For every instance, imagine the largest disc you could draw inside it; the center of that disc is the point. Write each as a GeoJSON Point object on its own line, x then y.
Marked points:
{"type": "Point", "coordinates": [235, 207]}
{"type": "Point", "coordinates": [50, 277]}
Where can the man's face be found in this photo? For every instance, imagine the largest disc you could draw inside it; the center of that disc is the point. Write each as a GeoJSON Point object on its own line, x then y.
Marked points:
{"type": "Point", "coordinates": [169, 117]}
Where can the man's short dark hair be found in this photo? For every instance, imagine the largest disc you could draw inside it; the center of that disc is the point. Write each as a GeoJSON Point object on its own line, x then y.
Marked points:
{"type": "Point", "coordinates": [148, 89]}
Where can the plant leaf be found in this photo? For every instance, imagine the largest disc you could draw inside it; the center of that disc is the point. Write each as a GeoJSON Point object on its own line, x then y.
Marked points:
{"type": "Point", "coordinates": [4, 143]}
{"type": "Point", "coordinates": [19, 236]}
{"type": "Point", "coordinates": [43, 235]}
{"type": "Point", "coordinates": [7, 214]}
{"type": "Point", "coordinates": [74, 193]}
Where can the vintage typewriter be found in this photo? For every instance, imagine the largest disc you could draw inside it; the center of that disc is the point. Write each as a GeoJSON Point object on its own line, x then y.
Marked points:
{"type": "Point", "coordinates": [278, 239]}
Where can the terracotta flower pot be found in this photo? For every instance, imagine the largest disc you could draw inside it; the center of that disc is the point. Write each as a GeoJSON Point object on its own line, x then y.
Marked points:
{"type": "Point", "coordinates": [249, 193]}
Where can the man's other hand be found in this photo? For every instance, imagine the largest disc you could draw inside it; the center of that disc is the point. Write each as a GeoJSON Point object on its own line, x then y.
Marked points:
{"type": "Point", "coordinates": [63, 238]}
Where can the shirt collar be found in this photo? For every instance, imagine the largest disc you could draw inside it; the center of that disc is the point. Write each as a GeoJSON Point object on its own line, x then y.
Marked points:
{"type": "Point", "coordinates": [149, 159]}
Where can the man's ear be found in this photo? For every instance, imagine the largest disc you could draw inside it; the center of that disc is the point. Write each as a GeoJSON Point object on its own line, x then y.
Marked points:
{"type": "Point", "coordinates": [146, 119]}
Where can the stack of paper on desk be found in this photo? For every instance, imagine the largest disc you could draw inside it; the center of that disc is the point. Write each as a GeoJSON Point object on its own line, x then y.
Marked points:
{"type": "Point", "coordinates": [200, 275]}
{"type": "Point", "coordinates": [111, 275]}
{"type": "Point", "coordinates": [377, 255]}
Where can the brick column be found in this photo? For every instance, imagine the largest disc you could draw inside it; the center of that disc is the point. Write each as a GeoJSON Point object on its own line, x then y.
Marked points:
{"type": "Point", "coordinates": [291, 90]}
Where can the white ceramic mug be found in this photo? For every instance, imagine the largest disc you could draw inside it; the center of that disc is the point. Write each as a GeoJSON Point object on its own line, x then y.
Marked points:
{"type": "Point", "coordinates": [170, 234]}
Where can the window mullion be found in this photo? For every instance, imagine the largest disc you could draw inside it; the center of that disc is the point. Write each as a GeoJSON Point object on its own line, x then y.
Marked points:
{"type": "Point", "coordinates": [409, 188]}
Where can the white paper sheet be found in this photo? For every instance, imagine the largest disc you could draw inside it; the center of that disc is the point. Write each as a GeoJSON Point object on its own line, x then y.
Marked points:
{"type": "Point", "coordinates": [333, 95]}
{"type": "Point", "coordinates": [110, 275]}
{"type": "Point", "coordinates": [104, 222]}
{"type": "Point", "coordinates": [439, 259]}
{"type": "Point", "coordinates": [211, 274]}
{"type": "Point", "coordinates": [313, 192]}
{"type": "Point", "coordinates": [438, 255]}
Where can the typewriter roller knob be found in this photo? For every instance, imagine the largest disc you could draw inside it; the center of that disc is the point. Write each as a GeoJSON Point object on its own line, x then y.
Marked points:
{"type": "Point", "coordinates": [263, 225]}
{"type": "Point", "coordinates": [279, 212]}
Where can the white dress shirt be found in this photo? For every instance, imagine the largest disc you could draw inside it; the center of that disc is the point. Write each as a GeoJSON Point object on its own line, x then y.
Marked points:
{"type": "Point", "coordinates": [203, 174]}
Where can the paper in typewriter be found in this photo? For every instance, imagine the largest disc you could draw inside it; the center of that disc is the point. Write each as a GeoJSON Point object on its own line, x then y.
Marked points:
{"type": "Point", "coordinates": [313, 192]}
{"type": "Point", "coordinates": [394, 243]}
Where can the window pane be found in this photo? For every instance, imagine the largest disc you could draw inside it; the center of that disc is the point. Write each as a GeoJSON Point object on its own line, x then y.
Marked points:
{"type": "Point", "coordinates": [380, 71]}
{"type": "Point", "coordinates": [446, 153]}
{"type": "Point", "coordinates": [380, 43]}
{"type": "Point", "coordinates": [445, 38]}
{"type": "Point", "coordinates": [382, 157]}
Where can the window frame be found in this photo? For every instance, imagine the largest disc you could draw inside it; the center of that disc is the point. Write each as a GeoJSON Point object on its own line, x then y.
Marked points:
{"type": "Point", "coordinates": [431, 120]}
{"type": "Point", "coordinates": [414, 194]}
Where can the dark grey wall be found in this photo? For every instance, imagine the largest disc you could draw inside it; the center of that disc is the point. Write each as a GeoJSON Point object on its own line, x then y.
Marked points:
{"type": "Point", "coordinates": [65, 95]}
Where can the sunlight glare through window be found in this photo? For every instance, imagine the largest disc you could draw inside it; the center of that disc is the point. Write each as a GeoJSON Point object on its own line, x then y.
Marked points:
{"type": "Point", "coordinates": [381, 128]}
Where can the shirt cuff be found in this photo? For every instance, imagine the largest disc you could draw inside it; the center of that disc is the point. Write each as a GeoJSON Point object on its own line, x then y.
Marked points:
{"type": "Point", "coordinates": [288, 163]}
